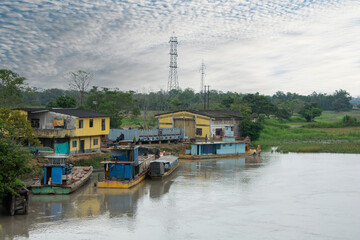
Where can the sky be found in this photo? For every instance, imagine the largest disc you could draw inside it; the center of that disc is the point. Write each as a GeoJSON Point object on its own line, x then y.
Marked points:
{"type": "Point", "coordinates": [247, 46]}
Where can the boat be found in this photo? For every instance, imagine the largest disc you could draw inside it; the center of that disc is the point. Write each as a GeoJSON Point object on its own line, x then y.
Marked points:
{"type": "Point", "coordinates": [227, 148]}
{"type": "Point", "coordinates": [60, 177]}
{"type": "Point", "coordinates": [163, 166]}
{"type": "Point", "coordinates": [126, 168]}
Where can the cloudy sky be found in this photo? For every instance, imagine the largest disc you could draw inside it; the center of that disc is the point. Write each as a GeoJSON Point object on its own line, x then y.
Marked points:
{"type": "Point", "coordinates": [247, 45]}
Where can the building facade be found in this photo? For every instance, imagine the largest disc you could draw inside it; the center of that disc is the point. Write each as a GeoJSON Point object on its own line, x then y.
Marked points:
{"type": "Point", "coordinates": [201, 124]}
{"type": "Point", "coordinates": [69, 131]}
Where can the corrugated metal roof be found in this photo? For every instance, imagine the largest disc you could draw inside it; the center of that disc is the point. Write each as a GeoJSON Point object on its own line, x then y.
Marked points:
{"type": "Point", "coordinates": [81, 113]}
{"type": "Point", "coordinates": [211, 113]}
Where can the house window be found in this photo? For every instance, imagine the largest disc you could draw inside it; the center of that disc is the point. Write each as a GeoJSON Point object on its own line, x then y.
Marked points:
{"type": "Point", "coordinates": [81, 123]}
{"type": "Point", "coordinates": [96, 142]}
{"type": "Point", "coordinates": [35, 123]}
{"type": "Point", "coordinates": [74, 144]}
{"type": "Point", "coordinates": [102, 124]}
{"type": "Point", "coordinates": [91, 123]}
{"type": "Point", "coordinates": [199, 131]}
{"type": "Point", "coordinates": [218, 132]}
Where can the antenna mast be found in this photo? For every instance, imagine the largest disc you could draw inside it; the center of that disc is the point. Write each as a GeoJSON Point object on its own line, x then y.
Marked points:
{"type": "Point", "coordinates": [173, 77]}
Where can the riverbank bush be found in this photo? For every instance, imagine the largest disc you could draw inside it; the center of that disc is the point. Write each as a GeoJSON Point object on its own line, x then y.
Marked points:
{"type": "Point", "coordinates": [325, 135]}
{"type": "Point", "coordinates": [94, 160]}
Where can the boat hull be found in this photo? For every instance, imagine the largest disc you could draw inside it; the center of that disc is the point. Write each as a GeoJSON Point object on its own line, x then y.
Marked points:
{"type": "Point", "coordinates": [61, 188]}
{"type": "Point", "coordinates": [122, 183]}
{"type": "Point", "coordinates": [165, 174]}
{"type": "Point", "coordinates": [212, 156]}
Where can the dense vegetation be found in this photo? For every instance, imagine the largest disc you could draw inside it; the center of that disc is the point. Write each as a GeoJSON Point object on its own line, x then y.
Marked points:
{"type": "Point", "coordinates": [334, 132]}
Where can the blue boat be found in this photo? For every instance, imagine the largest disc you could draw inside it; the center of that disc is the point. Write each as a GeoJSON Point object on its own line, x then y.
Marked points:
{"type": "Point", "coordinates": [228, 147]}
{"type": "Point", "coordinates": [125, 168]}
{"type": "Point", "coordinates": [60, 177]}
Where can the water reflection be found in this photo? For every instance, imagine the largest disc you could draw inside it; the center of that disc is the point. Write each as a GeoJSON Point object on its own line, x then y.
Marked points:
{"type": "Point", "coordinates": [90, 202]}
{"type": "Point", "coordinates": [161, 187]}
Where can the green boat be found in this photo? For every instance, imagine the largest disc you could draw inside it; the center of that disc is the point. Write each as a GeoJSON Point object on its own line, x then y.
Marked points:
{"type": "Point", "coordinates": [60, 177]}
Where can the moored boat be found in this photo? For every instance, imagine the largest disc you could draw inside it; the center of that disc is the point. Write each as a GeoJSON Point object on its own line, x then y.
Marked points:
{"type": "Point", "coordinates": [163, 166]}
{"type": "Point", "coordinates": [60, 177]}
{"type": "Point", "coordinates": [125, 168]}
{"type": "Point", "coordinates": [227, 148]}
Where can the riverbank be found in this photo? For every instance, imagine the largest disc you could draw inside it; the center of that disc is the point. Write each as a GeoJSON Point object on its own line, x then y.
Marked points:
{"type": "Point", "coordinates": [327, 134]}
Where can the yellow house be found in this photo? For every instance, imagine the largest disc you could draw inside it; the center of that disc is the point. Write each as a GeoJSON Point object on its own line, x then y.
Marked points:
{"type": "Point", "coordinates": [69, 131]}
{"type": "Point", "coordinates": [195, 125]}
{"type": "Point", "coordinates": [201, 123]}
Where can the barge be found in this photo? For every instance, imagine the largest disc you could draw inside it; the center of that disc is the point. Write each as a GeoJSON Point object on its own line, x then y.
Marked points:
{"type": "Point", "coordinates": [227, 148]}
{"type": "Point", "coordinates": [60, 177]}
{"type": "Point", "coordinates": [125, 168]}
{"type": "Point", "coordinates": [163, 166]}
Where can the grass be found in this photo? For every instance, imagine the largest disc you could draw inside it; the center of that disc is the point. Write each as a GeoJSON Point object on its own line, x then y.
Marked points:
{"type": "Point", "coordinates": [94, 160]}
{"type": "Point", "coordinates": [327, 134]}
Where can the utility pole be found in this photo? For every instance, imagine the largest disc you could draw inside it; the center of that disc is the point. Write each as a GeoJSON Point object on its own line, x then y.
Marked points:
{"type": "Point", "coordinates": [173, 76]}
{"type": "Point", "coordinates": [202, 70]}
{"type": "Point", "coordinates": [207, 97]}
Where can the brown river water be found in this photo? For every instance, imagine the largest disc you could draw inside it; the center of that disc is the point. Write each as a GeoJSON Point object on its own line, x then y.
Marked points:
{"type": "Point", "coordinates": [275, 196]}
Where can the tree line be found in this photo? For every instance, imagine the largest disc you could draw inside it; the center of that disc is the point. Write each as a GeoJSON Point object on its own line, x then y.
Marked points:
{"type": "Point", "coordinates": [119, 104]}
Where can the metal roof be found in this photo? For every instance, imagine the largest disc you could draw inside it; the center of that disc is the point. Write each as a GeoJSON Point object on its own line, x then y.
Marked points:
{"type": "Point", "coordinates": [80, 113]}
{"type": "Point", "coordinates": [211, 113]}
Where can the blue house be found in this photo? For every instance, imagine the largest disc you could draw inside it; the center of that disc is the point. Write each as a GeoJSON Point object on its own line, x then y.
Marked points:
{"type": "Point", "coordinates": [227, 146]}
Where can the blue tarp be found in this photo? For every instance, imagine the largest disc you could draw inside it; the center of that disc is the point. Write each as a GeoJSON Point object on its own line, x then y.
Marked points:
{"type": "Point", "coordinates": [62, 148]}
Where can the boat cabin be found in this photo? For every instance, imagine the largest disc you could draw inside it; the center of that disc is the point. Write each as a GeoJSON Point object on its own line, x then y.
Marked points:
{"type": "Point", "coordinates": [124, 163]}
{"type": "Point", "coordinates": [55, 170]}
{"type": "Point", "coordinates": [162, 165]}
{"type": "Point", "coordinates": [228, 145]}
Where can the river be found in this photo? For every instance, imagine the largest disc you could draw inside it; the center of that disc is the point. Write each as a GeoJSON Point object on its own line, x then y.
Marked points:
{"type": "Point", "coordinates": [277, 196]}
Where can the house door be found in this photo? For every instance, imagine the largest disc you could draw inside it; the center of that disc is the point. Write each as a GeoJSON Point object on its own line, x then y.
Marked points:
{"type": "Point", "coordinates": [82, 146]}
{"type": "Point", "coordinates": [187, 124]}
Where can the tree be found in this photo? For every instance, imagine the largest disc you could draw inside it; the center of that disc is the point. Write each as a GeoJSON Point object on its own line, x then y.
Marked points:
{"type": "Point", "coordinates": [16, 127]}
{"type": "Point", "coordinates": [116, 103]}
{"type": "Point", "coordinates": [260, 104]}
{"type": "Point", "coordinates": [15, 130]}
{"type": "Point", "coordinates": [251, 129]}
{"type": "Point", "coordinates": [310, 111]}
{"type": "Point", "coordinates": [11, 85]}
{"type": "Point", "coordinates": [63, 102]}
{"type": "Point", "coordinates": [14, 163]}
{"type": "Point", "coordinates": [80, 82]}
{"type": "Point", "coordinates": [341, 101]}
{"type": "Point", "coordinates": [283, 111]}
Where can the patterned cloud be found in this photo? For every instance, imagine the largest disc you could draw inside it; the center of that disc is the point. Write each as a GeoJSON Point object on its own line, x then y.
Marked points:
{"type": "Point", "coordinates": [247, 45]}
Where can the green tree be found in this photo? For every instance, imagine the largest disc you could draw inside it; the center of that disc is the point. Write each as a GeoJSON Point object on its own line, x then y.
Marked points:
{"type": "Point", "coordinates": [116, 103]}
{"type": "Point", "coordinates": [283, 111]}
{"type": "Point", "coordinates": [15, 130]}
{"type": "Point", "coordinates": [251, 129]}
{"type": "Point", "coordinates": [63, 102]}
{"type": "Point", "coordinates": [341, 101]}
{"type": "Point", "coordinates": [310, 111]}
{"type": "Point", "coordinates": [11, 85]}
{"type": "Point", "coordinates": [14, 164]}
{"type": "Point", "coordinates": [16, 127]}
{"type": "Point", "coordinates": [260, 104]}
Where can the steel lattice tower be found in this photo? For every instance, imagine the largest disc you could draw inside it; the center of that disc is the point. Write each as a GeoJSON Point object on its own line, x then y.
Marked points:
{"type": "Point", "coordinates": [173, 77]}
{"type": "Point", "coordinates": [202, 70]}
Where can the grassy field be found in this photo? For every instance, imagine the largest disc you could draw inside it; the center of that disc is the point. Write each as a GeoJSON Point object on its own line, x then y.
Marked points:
{"type": "Point", "coordinates": [326, 134]}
